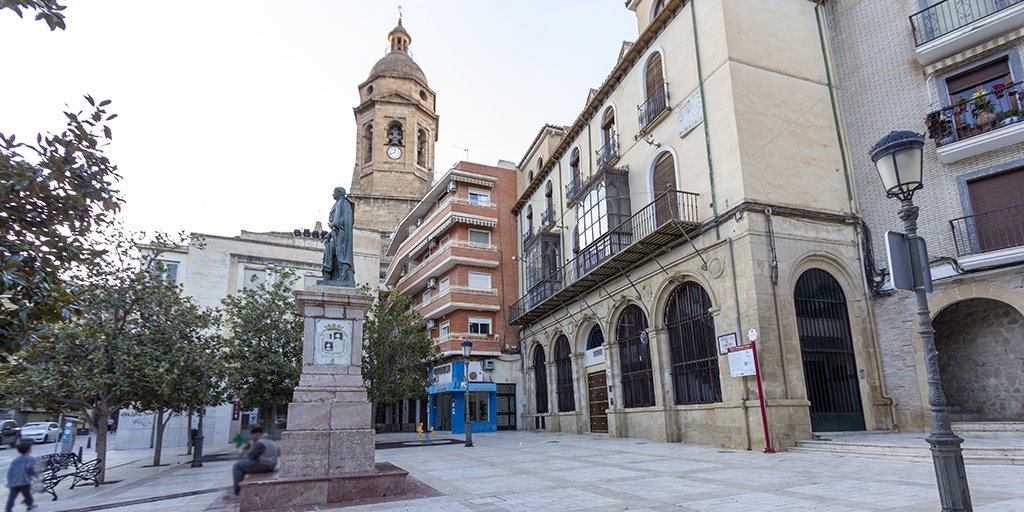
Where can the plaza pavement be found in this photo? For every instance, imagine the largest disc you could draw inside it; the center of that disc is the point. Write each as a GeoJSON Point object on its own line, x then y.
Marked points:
{"type": "Point", "coordinates": [539, 471]}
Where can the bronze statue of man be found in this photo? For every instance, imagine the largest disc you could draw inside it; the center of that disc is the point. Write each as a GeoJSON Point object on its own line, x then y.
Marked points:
{"type": "Point", "coordinates": [338, 267]}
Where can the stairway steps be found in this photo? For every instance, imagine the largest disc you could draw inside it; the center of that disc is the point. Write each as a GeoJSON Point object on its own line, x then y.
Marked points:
{"type": "Point", "coordinates": [1004, 456]}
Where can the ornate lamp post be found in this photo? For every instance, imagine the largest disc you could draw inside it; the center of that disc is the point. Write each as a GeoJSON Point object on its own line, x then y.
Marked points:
{"type": "Point", "coordinates": [467, 348]}
{"type": "Point", "coordinates": [897, 158]}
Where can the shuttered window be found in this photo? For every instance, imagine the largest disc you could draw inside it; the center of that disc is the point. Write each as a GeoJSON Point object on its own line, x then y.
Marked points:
{"type": "Point", "coordinates": [998, 191]}
{"type": "Point", "coordinates": [479, 280]}
{"type": "Point", "coordinates": [664, 174]}
{"type": "Point", "coordinates": [654, 80]}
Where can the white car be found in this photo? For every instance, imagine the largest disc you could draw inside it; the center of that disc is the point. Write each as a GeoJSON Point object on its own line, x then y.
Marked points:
{"type": "Point", "coordinates": [40, 432]}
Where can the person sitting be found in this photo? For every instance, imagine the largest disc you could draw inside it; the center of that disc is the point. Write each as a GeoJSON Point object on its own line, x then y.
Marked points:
{"type": "Point", "coordinates": [260, 457]}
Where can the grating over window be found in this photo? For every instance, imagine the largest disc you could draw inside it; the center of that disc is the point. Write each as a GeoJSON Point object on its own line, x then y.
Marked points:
{"type": "Point", "coordinates": [540, 377]}
{"type": "Point", "coordinates": [635, 358]}
{"type": "Point", "coordinates": [563, 373]}
{"type": "Point", "coordinates": [691, 334]}
{"type": "Point", "coordinates": [596, 338]}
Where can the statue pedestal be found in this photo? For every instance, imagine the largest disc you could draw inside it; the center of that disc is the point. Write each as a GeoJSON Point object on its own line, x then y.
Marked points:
{"type": "Point", "coordinates": [327, 453]}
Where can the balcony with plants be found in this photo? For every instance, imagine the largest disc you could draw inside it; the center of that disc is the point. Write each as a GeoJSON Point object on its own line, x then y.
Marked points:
{"type": "Point", "coordinates": [978, 122]}
{"type": "Point", "coordinates": [952, 26]}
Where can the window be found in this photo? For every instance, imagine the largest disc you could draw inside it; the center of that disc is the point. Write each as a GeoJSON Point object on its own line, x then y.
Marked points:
{"type": "Point", "coordinates": [603, 208]}
{"type": "Point", "coordinates": [659, 5]}
{"type": "Point", "coordinates": [480, 280]}
{"type": "Point", "coordinates": [479, 325]}
{"type": "Point", "coordinates": [549, 203]}
{"type": "Point", "coordinates": [998, 207]}
{"type": "Point", "coordinates": [253, 278]}
{"type": "Point", "coordinates": [635, 358]}
{"type": "Point", "coordinates": [169, 271]}
{"type": "Point", "coordinates": [444, 329]}
{"type": "Point", "coordinates": [540, 378]}
{"type": "Point", "coordinates": [444, 283]}
{"type": "Point", "coordinates": [478, 410]}
{"type": "Point", "coordinates": [426, 296]}
{"type": "Point", "coordinates": [479, 196]}
{"type": "Point", "coordinates": [529, 218]}
{"type": "Point", "coordinates": [563, 375]}
{"type": "Point", "coordinates": [691, 334]}
{"type": "Point", "coordinates": [595, 339]}
{"type": "Point", "coordinates": [368, 143]}
{"type": "Point", "coordinates": [663, 181]}
{"type": "Point", "coordinates": [655, 95]}
{"type": "Point", "coordinates": [608, 127]}
{"type": "Point", "coordinates": [421, 147]}
{"type": "Point", "coordinates": [479, 237]}
{"type": "Point", "coordinates": [574, 166]}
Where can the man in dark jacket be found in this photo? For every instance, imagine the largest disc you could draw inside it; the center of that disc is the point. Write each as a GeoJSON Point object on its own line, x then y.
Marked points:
{"type": "Point", "coordinates": [261, 457]}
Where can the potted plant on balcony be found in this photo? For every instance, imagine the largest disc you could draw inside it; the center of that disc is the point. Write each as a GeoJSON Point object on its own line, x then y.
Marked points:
{"type": "Point", "coordinates": [1009, 117]}
{"type": "Point", "coordinates": [983, 108]}
{"type": "Point", "coordinates": [940, 127]}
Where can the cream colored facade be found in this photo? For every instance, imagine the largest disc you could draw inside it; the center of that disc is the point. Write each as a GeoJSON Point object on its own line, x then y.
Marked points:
{"type": "Point", "coordinates": [898, 62]}
{"type": "Point", "coordinates": [736, 187]}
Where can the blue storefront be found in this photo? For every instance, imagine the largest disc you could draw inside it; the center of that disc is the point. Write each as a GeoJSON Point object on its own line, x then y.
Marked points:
{"type": "Point", "coordinates": [448, 405]}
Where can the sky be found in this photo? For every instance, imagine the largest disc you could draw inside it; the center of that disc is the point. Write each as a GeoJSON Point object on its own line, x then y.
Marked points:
{"type": "Point", "coordinates": [237, 114]}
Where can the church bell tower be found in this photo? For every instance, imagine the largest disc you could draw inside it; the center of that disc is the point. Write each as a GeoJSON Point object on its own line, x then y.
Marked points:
{"type": "Point", "coordinates": [396, 128]}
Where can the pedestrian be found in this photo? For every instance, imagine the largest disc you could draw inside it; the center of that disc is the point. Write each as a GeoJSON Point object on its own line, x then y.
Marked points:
{"type": "Point", "coordinates": [110, 424]}
{"type": "Point", "coordinates": [260, 457]}
{"type": "Point", "coordinates": [22, 468]}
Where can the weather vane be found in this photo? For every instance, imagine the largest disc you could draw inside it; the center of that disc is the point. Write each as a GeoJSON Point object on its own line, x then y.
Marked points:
{"type": "Point", "coordinates": [399, 12]}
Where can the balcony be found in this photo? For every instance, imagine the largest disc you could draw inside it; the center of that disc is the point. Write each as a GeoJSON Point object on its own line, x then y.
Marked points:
{"type": "Point", "coordinates": [990, 238]}
{"type": "Point", "coordinates": [527, 236]}
{"type": "Point", "coordinates": [609, 153]}
{"type": "Point", "coordinates": [449, 254]}
{"type": "Point", "coordinates": [937, 33]}
{"type": "Point", "coordinates": [482, 343]}
{"type": "Point", "coordinates": [662, 223]}
{"type": "Point", "coordinates": [547, 219]}
{"type": "Point", "coordinates": [572, 190]}
{"type": "Point", "coordinates": [654, 108]}
{"type": "Point", "coordinates": [992, 119]}
{"type": "Point", "coordinates": [459, 297]}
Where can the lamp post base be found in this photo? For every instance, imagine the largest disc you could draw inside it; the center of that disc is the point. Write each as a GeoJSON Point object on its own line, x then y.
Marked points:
{"type": "Point", "coordinates": [948, 459]}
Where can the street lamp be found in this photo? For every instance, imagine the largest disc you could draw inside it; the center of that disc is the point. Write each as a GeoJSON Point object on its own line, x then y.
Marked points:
{"type": "Point", "coordinates": [467, 348]}
{"type": "Point", "coordinates": [897, 158]}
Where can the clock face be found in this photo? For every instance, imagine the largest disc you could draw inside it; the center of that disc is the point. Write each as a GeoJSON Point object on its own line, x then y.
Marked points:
{"type": "Point", "coordinates": [395, 152]}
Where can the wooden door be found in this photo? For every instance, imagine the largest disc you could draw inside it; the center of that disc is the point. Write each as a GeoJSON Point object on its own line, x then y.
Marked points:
{"type": "Point", "coordinates": [597, 385]}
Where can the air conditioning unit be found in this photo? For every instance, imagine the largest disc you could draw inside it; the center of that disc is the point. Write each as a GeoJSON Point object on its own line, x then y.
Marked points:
{"type": "Point", "coordinates": [431, 323]}
{"type": "Point", "coordinates": [452, 186]}
{"type": "Point", "coordinates": [488, 364]}
{"type": "Point", "coordinates": [475, 376]}
{"type": "Point", "coordinates": [432, 282]}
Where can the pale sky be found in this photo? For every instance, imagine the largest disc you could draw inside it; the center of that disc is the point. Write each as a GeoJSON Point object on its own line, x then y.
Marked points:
{"type": "Point", "coordinates": [238, 114]}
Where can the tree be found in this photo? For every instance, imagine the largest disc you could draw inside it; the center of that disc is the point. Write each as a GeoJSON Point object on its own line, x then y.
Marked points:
{"type": "Point", "coordinates": [98, 362]}
{"type": "Point", "coordinates": [397, 351]}
{"type": "Point", "coordinates": [49, 210]}
{"type": "Point", "coordinates": [190, 362]}
{"type": "Point", "coordinates": [265, 344]}
{"type": "Point", "coordinates": [49, 10]}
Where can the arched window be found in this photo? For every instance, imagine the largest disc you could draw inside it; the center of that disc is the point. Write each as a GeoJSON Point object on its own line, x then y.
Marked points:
{"type": "Point", "coordinates": [595, 339]}
{"type": "Point", "coordinates": [540, 377]}
{"type": "Point", "coordinates": [368, 143]}
{"type": "Point", "coordinates": [395, 134]}
{"type": "Point", "coordinates": [635, 358]}
{"type": "Point", "coordinates": [574, 166]}
{"type": "Point", "coordinates": [659, 5]}
{"type": "Point", "coordinates": [609, 144]}
{"type": "Point", "coordinates": [663, 181]}
{"type": "Point", "coordinates": [563, 372]}
{"type": "Point", "coordinates": [549, 204]}
{"type": "Point", "coordinates": [529, 218]}
{"type": "Point", "coordinates": [691, 335]}
{"type": "Point", "coordinates": [530, 176]}
{"type": "Point", "coordinates": [421, 148]}
{"type": "Point", "coordinates": [655, 94]}
{"type": "Point", "coordinates": [540, 163]}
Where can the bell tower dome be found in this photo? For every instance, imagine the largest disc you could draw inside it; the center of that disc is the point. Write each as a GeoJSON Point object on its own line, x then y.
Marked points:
{"type": "Point", "coordinates": [396, 128]}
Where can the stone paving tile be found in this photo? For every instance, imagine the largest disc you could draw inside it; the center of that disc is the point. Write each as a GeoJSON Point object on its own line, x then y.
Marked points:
{"type": "Point", "coordinates": [559, 499]}
{"type": "Point", "coordinates": [596, 473]}
{"type": "Point", "coordinates": [1015, 505]}
{"type": "Point", "coordinates": [663, 488]}
{"type": "Point", "coordinates": [675, 466]}
{"type": "Point", "coordinates": [764, 502]}
{"type": "Point", "coordinates": [871, 493]}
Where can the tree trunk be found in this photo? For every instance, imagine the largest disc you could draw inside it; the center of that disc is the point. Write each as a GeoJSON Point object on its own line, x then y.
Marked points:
{"type": "Point", "coordinates": [158, 446]}
{"type": "Point", "coordinates": [189, 436]}
{"type": "Point", "coordinates": [99, 423]}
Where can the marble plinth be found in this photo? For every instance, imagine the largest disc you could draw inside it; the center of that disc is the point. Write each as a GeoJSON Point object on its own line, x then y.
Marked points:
{"type": "Point", "coordinates": [271, 491]}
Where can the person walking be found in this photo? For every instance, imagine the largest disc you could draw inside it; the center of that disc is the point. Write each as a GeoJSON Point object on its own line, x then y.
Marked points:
{"type": "Point", "coordinates": [22, 468]}
{"type": "Point", "coordinates": [261, 457]}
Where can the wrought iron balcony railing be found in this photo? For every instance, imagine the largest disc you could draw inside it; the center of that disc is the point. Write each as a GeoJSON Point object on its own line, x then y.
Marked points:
{"type": "Point", "coordinates": [572, 189]}
{"type": "Point", "coordinates": [652, 108]}
{"type": "Point", "coordinates": [547, 219]}
{"type": "Point", "coordinates": [608, 154]}
{"type": "Point", "coordinates": [668, 207]}
{"type": "Point", "coordinates": [978, 115]}
{"type": "Point", "coordinates": [527, 236]}
{"type": "Point", "coordinates": [989, 231]}
{"type": "Point", "coordinates": [944, 17]}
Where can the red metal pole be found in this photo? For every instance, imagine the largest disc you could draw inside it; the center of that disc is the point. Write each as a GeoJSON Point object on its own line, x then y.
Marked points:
{"type": "Point", "coordinates": [760, 395]}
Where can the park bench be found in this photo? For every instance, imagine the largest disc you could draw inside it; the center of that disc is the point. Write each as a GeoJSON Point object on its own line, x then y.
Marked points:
{"type": "Point", "coordinates": [56, 467]}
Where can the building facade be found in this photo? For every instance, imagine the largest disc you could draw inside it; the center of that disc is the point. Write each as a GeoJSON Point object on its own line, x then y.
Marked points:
{"type": "Point", "coordinates": [953, 70]}
{"type": "Point", "coordinates": [455, 255]}
{"type": "Point", "coordinates": [700, 198]}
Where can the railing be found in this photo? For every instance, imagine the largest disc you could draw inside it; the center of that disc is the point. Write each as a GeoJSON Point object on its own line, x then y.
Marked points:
{"type": "Point", "coordinates": [657, 102]}
{"type": "Point", "coordinates": [442, 294]}
{"type": "Point", "coordinates": [670, 206]}
{"type": "Point", "coordinates": [989, 231]}
{"type": "Point", "coordinates": [527, 236]}
{"type": "Point", "coordinates": [572, 189]}
{"type": "Point", "coordinates": [945, 17]}
{"type": "Point", "coordinates": [547, 219]}
{"type": "Point", "coordinates": [608, 153]}
{"type": "Point", "coordinates": [460, 336]}
{"type": "Point", "coordinates": [977, 115]}
{"type": "Point", "coordinates": [413, 266]}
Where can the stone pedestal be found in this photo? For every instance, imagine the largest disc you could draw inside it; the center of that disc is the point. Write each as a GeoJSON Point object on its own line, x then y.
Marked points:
{"type": "Point", "coordinates": [329, 444]}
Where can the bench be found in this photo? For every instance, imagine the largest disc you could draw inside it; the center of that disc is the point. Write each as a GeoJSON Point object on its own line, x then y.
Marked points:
{"type": "Point", "coordinates": [56, 467]}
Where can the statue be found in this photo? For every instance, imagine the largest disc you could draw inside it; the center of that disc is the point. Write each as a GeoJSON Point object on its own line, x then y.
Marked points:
{"type": "Point", "coordinates": [338, 267]}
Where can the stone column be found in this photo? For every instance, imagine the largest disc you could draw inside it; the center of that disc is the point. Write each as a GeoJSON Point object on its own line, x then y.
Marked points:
{"type": "Point", "coordinates": [330, 428]}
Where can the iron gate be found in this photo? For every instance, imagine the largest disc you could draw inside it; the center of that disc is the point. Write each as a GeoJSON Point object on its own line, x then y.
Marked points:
{"type": "Point", "coordinates": [826, 346]}
{"type": "Point", "coordinates": [506, 406]}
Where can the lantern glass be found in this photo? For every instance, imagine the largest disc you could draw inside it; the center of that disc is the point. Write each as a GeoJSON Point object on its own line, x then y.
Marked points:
{"type": "Point", "coordinates": [467, 347]}
{"type": "Point", "coordinates": [908, 168]}
{"type": "Point", "coordinates": [897, 158]}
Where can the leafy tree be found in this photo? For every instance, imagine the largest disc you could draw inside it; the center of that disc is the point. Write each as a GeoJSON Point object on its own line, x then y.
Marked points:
{"type": "Point", "coordinates": [51, 205]}
{"type": "Point", "coordinates": [100, 361]}
{"type": "Point", "coordinates": [265, 345]}
{"type": "Point", "coordinates": [397, 352]}
{"type": "Point", "coordinates": [49, 10]}
{"type": "Point", "coordinates": [190, 361]}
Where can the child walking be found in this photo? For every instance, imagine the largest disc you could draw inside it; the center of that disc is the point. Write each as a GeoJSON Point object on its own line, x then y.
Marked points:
{"type": "Point", "coordinates": [18, 475]}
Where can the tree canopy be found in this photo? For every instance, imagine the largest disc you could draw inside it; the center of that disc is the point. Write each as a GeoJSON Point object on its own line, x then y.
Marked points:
{"type": "Point", "coordinates": [397, 351]}
{"type": "Point", "coordinates": [48, 10]}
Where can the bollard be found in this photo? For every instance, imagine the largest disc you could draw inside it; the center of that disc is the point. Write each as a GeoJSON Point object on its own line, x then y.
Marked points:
{"type": "Point", "coordinates": [88, 443]}
{"type": "Point", "coordinates": [79, 453]}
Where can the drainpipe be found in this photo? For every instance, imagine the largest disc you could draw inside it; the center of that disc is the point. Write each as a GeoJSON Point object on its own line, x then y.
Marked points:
{"type": "Point", "coordinates": [704, 112]}
{"type": "Point", "coordinates": [835, 108]}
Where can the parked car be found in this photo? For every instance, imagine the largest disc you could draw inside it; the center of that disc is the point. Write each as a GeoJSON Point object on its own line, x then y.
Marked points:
{"type": "Point", "coordinates": [10, 433]}
{"type": "Point", "coordinates": [40, 432]}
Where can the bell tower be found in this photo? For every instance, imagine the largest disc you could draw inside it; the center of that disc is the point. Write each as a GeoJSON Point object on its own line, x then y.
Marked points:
{"type": "Point", "coordinates": [396, 128]}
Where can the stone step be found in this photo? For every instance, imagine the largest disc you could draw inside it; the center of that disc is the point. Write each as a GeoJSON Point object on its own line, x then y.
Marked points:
{"type": "Point", "coordinates": [989, 427]}
{"type": "Point", "coordinates": [880, 450]}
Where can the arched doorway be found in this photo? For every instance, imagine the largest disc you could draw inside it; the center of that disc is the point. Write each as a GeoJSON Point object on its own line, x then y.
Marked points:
{"type": "Point", "coordinates": [563, 375]}
{"type": "Point", "coordinates": [635, 358]}
{"type": "Point", "coordinates": [597, 386]}
{"type": "Point", "coordinates": [540, 379]}
{"type": "Point", "coordinates": [976, 340]}
{"type": "Point", "coordinates": [826, 346]}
